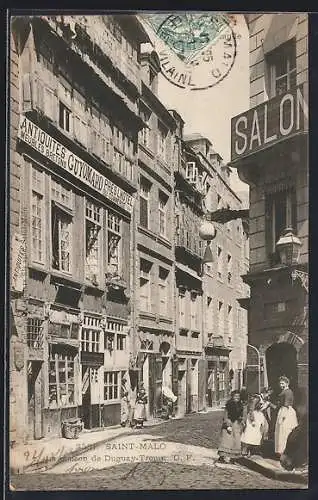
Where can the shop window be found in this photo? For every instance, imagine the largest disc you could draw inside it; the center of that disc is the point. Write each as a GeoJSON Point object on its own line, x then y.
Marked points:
{"type": "Point", "coordinates": [37, 216]}
{"type": "Point", "coordinates": [145, 285]}
{"type": "Point", "coordinates": [163, 291]}
{"type": "Point", "coordinates": [90, 335]}
{"type": "Point", "coordinates": [61, 376]}
{"type": "Point", "coordinates": [163, 199]}
{"type": "Point", "coordinates": [93, 242]}
{"type": "Point", "coordinates": [111, 386]}
{"type": "Point", "coordinates": [61, 224]}
{"type": "Point", "coordinates": [281, 64]}
{"type": "Point", "coordinates": [35, 333]}
{"type": "Point", "coordinates": [144, 196]}
{"type": "Point", "coordinates": [280, 213]}
{"type": "Point", "coordinates": [114, 238]}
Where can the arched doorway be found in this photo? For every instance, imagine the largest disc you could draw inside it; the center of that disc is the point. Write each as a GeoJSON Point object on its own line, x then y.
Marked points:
{"type": "Point", "coordinates": [281, 359]}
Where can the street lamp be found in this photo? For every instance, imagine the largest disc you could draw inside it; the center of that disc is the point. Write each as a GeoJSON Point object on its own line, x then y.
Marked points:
{"type": "Point", "coordinates": [207, 232]}
{"type": "Point", "coordinates": [288, 247]}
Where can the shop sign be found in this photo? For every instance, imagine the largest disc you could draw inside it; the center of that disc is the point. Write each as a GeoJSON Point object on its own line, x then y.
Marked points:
{"type": "Point", "coordinates": [18, 263]}
{"type": "Point", "coordinates": [42, 142]}
{"type": "Point", "coordinates": [268, 123]}
{"type": "Point", "coordinates": [92, 358]}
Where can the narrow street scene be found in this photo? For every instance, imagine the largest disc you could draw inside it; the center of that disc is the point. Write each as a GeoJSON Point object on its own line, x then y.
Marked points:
{"type": "Point", "coordinates": [179, 454]}
{"type": "Point", "coordinates": [158, 299]}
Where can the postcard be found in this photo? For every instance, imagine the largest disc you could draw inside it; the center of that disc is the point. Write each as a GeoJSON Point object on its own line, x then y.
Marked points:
{"type": "Point", "coordinates": [158, 166]}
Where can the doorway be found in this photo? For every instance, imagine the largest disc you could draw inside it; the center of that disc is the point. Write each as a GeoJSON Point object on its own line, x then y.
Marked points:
{"type": "Point", "coordinates": [281, 359]}
{"type": "Point", "coordinates": [35, 400]}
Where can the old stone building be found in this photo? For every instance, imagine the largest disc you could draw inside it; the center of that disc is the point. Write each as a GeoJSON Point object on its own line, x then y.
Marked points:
{"type": "Point", "coordinates": [74, 128]}
{"type": "Point", "coordinates": [154, 306]}
{"type": "Point", "coordinates": [270, 152]}
{"type": "Point", "coordinates": [224, 318]}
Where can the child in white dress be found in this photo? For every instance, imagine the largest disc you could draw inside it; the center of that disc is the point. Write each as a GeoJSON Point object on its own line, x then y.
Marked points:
{"type": "Point", "coordinates": [252, 435]}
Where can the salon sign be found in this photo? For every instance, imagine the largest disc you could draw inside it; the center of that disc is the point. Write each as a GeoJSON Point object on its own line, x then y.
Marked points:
{"type": "Point", "coordinates": [51, 149]}
{"type": "Point", "coordinates": [269, 122]}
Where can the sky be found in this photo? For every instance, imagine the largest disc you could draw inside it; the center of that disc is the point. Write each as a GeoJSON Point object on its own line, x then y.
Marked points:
{"type": "Point", "coordinates": [209, 111]}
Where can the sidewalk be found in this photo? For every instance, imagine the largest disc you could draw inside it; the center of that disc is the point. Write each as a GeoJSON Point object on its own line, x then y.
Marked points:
{"type": "Point", "coordinates": [44, 453]}
{"type": "Point", "coordinates": [273, 469]}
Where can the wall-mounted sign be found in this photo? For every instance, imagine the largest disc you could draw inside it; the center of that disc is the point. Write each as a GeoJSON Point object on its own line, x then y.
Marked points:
{"type": "Point", "coordinates": [42, 142]}
{"type": "Point", "coordinates": [18, 263]}
{"type": "Point", "coordinates": [92, 358]}
{"type": "Point", "coordinates": [269, 123]}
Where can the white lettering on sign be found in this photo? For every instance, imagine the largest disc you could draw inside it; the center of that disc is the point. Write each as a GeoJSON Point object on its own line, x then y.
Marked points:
{"type": "Point", "coordinates": [268, 122]}
{"type": "Point", "coordinates": [18, 263]}
{"type": "Point", "coordinates": [39, 140]}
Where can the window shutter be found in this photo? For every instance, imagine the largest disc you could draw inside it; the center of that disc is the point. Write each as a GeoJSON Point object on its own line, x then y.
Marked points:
{"type": "Point", "coordinates": [158, 383]}
{"type": "Point", "coordinates": [40, 95]}
{"type": "Point", "coordinates": [26, 92]}
{"type": "Point", "coordinates": [175, 378]}
{"type": "Point", "coordinates": [50, 103]}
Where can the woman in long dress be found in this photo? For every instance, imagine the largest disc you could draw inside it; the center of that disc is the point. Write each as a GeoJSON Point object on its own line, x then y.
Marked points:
{"type": "Point", "coordinates": [230, 442]}
{"type": "Point", "coordinates": [252, 435]}
{"type": "Point", "coordinates": [125, 403]}
{"type": "Point", "coordinates": [140, 407]}
{"type": "Point", "coordinates": [286, 418]}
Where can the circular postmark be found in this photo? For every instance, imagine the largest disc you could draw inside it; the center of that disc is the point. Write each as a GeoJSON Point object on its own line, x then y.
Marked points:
{"type": "Point", "coordinates": [196, 51]}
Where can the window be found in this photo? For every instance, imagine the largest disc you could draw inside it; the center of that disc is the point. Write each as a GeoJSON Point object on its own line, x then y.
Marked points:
{"type": "Point", "coordinates": [144, 202]}
{"type": "Point", "coordinates": [62, 220]}
{"type": "Point", "coordinates": [282, 68]}
{"type": "Point", "coordinates": [229, 320]}
{"type": "Point", "coordinates": [163, 198]}
{"type": "Point", "coordinates": [221, 318]}
{"type": "Point", "coordinates": [64, 117]}
{"type": "Point", "coordinates": [90, 336]}
{"type": "Point", "coordinates": [111, 385]}
{"type": "Point", "coordinates": [37, 216]}
{"type": "Point", "coordinates": [93, 233]}
{"type": "Point", "coordinates": [35, 333]}
{"type": "Point", "coordinates": [220, 262]}
{"type": "Point", "coordinates": [182, 310]}
{"type": "Point", "coordinates": [191, 172]}
{"type": "Point", "coordinates": [163, 291]}
{"type": "Point", "coordinates": [162, 138]}
{"type": "Point", "coordinates": [145, 114]}
{"type": "Point", "coordinates": [209, 319]}
{"type": "Point", "coordinates": [61, 376]}
{"type": "Point", "coordinates": [121, 342]}
{"type": "Point", "coordinates": [274, 308]}
{"type": "Point", "coordinates": [280, 213]}
{"type": "Point", "coordinates": [229, 268]}
{"type": "Point", "coordinates": [114, 243]}
{"type": "Point", "coordinates": [194, 313]}
{"type": "Point", "coordinates": [144, 285]}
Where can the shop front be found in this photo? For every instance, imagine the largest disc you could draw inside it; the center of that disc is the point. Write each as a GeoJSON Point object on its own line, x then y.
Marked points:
{"type": "Point", "coordinates": [217, 376]}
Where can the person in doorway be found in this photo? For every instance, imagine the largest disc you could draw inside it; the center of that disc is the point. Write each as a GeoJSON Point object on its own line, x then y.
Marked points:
{"type": "Point", "coordinates": [286, 418]}
{"type": "Point", "coordinates": [253, 427]}
{"type": "Point", "coordinates": [169, 399]}
{"type": "Point", "coordinates": [244, 396]}
{"type": "Point", "coordinates": [140, 406]}
{"type": "Point", "coordinates": [125, 409]}
{"type": "Point", "coordinates": [230, 442]}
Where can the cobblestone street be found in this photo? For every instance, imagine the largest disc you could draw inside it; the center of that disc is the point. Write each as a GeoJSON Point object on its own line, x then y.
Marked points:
{"type": "Point", "coordinates": [193, 440]}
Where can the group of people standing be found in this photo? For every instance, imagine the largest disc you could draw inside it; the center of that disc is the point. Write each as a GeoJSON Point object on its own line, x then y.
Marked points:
{"type": "Point", "coordinates": [250, 420]}
{"type": "Point", "coordinates": [132, 413]}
